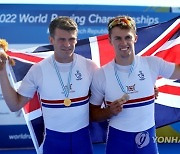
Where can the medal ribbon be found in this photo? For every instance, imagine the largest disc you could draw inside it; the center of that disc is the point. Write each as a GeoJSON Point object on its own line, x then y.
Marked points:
{"type": "Point", "coordinates": [65, 90]}
{"type": "Point", "coordinates": [118, 78]}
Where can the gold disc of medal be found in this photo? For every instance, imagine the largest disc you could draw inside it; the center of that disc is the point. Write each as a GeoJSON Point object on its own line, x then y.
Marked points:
{"type": "Point", "coordinates": [67, 102]}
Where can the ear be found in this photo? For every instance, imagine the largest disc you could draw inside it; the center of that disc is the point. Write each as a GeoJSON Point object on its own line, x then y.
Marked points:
{"type": "Point", "coordinates": [109, 38]}
{"type": "Point", "coordinates": [135, 39]}
{"type": "Point", "coordinates": [51, 39]}
{"type": "Point", "coordinates": [76, 41]}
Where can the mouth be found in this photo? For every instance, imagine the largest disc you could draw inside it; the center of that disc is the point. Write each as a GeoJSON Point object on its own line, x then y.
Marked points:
{"type": "Point", "coordinates": [66, 50]}
{"type": "Point", "coordinates": [124, 49]}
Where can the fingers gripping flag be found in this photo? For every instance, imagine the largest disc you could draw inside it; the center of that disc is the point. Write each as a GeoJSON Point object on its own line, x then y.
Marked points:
{"type": "Point", "coordinates": [162, 40]}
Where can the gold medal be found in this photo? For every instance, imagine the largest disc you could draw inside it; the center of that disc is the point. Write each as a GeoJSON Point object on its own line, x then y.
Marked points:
{"type": "Point", "coordinates": [67, 102]}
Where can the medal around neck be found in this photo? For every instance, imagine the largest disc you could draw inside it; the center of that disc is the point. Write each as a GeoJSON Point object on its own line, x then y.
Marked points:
{"type": "Point", "coordinates": [67, 102]}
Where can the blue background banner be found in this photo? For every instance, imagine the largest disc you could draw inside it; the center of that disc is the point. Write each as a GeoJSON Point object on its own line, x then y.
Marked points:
{"type": "Point", "coordinates": [28, 23]}
{"type": "Point", "coordinates": [15, 136]}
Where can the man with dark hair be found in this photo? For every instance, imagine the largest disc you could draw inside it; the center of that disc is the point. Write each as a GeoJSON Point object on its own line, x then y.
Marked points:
{"type": "Point", "coordinates": [62, 81]}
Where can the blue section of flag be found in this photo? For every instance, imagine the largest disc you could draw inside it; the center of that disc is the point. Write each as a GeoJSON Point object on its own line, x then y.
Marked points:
{"type": "Point", "coordinates": [38, 129]}
{"type": "Point", "coordinates": [21, 69]}
{"type": "Point", "coordinates": [83, 48]}
{"type": "Point", "coordinates": [166, 115]}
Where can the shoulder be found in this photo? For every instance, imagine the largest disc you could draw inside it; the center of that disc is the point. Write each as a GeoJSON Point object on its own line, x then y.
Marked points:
{"type": "Point", "coordinates": [36, 68]}
{"type": "Point", "coordinates": [99, 73]}
{"type": "Point", "coordinates": [160, 66]}
{"type": "Point", "coordinates": [152, 60]}
{"type": "Point", "coordinates": [157, 61]}
{"type": "Point", "coordinates": [45, 61]}
{"type": "Point", "coordinates": [108, 66]}
{"type": "Point", "coordinates": [89, 62]}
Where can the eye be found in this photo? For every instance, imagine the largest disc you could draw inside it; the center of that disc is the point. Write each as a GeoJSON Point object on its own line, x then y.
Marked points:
{"type": "Point", "coordinates": [72, 39]}
{"type": "Point", "coordinates": [129, 37]}
{"type": "Point", "coordinates": [61, 39]}
{"type": "Point", "coordinates": [118, 38]}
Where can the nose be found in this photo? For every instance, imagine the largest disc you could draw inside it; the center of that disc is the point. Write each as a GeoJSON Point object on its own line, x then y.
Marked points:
{"type": "Point", "coordinates": [66, 43]}
{"type": "Point", "coordinates": [123, 41]}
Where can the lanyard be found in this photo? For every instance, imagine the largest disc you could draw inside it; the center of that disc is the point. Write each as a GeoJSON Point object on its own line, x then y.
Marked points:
{"type": "Point", "coordinates": [67, 88]}
{"type": "Point", "coordinates": [118, 78]}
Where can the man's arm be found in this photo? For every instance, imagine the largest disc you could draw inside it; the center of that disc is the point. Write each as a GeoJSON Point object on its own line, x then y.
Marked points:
{"type": "Point", "coordinates": [13, 100]}
{"type": "Point", "coordinates": [176, 73]}
{"type": "Point", "coordinates": [98, 114]}
{"type": "Point", "coordinates": [101, 114]}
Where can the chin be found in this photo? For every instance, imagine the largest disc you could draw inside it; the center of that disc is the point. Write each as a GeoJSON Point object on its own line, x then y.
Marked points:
{"type": "Point", "coordinates": [129, 53]}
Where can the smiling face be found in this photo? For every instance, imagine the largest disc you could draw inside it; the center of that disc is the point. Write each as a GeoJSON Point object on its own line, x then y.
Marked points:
{"type": "Point", "coordinates": [64, 44]}
{"type": "Point", "coordinates": [122, 36]}
{"type": "Point", "coordinates": [123, 42]}
{"type": "Point", "coordinates": [63, 36]}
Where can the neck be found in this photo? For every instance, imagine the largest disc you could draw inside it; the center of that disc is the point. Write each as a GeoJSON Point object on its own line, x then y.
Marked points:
{"type": "Point", "coordinates": [63, 59]}
{"type": "Point", "coordinates": [124, 61]}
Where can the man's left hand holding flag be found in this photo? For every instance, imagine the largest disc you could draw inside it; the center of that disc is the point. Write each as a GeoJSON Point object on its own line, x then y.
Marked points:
{"type": "Point", "coordinates": [3, 55]}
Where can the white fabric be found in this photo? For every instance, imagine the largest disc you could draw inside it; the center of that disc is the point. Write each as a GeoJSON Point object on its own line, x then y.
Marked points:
{"type": "Point", "coordinates": [105, 85]}
{"type": "Point", "coordinates": [157, 67]}
{"type": "Point", "coordinates": [43, 78]}
{"type": "Point", "coordinates": [33, 79]}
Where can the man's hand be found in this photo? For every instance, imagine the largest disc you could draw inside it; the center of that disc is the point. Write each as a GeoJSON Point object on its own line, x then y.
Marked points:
{"type": "Point", "coordinates": [117, 106]}
{"type": "Point", "coordinates": [3, 55]}
{"type": "Point", "coordinates": [3, 58]}
{"type": "Point", "coordinates": [101, 114]}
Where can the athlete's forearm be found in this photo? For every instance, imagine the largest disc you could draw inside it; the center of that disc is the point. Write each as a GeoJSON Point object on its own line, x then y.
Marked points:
{"type": "Point", "coordinates": [13, 100]}
{"type": "Point", "coordinates": [98, 114]}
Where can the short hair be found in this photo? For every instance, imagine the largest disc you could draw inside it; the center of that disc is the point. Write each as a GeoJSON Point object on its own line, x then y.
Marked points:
{"type": "Point", "coordinates": [123, 22]}
{"type": "Point", "coordinates": [64, 23]}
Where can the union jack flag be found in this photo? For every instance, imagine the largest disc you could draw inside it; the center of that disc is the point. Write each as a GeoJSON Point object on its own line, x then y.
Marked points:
{"type": "Point", "coordinates": [162, 40]}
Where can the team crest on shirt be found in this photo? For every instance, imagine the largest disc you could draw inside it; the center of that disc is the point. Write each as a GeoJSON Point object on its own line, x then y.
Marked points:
{"type": "Point", "coordinates": [78, 75]}
{"type": "Point", "coordinates": [131, 89]}
{"type": "Point", "coordinates": [141, 75]}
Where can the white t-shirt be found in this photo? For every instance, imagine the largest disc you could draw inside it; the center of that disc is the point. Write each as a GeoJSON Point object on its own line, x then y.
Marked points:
{"type": "Point", "coordinates": [157, 66]}
{"type": "Point", "coordinates": [138, 84]}
{"type": "Point", "coordinates": [33, 79]}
